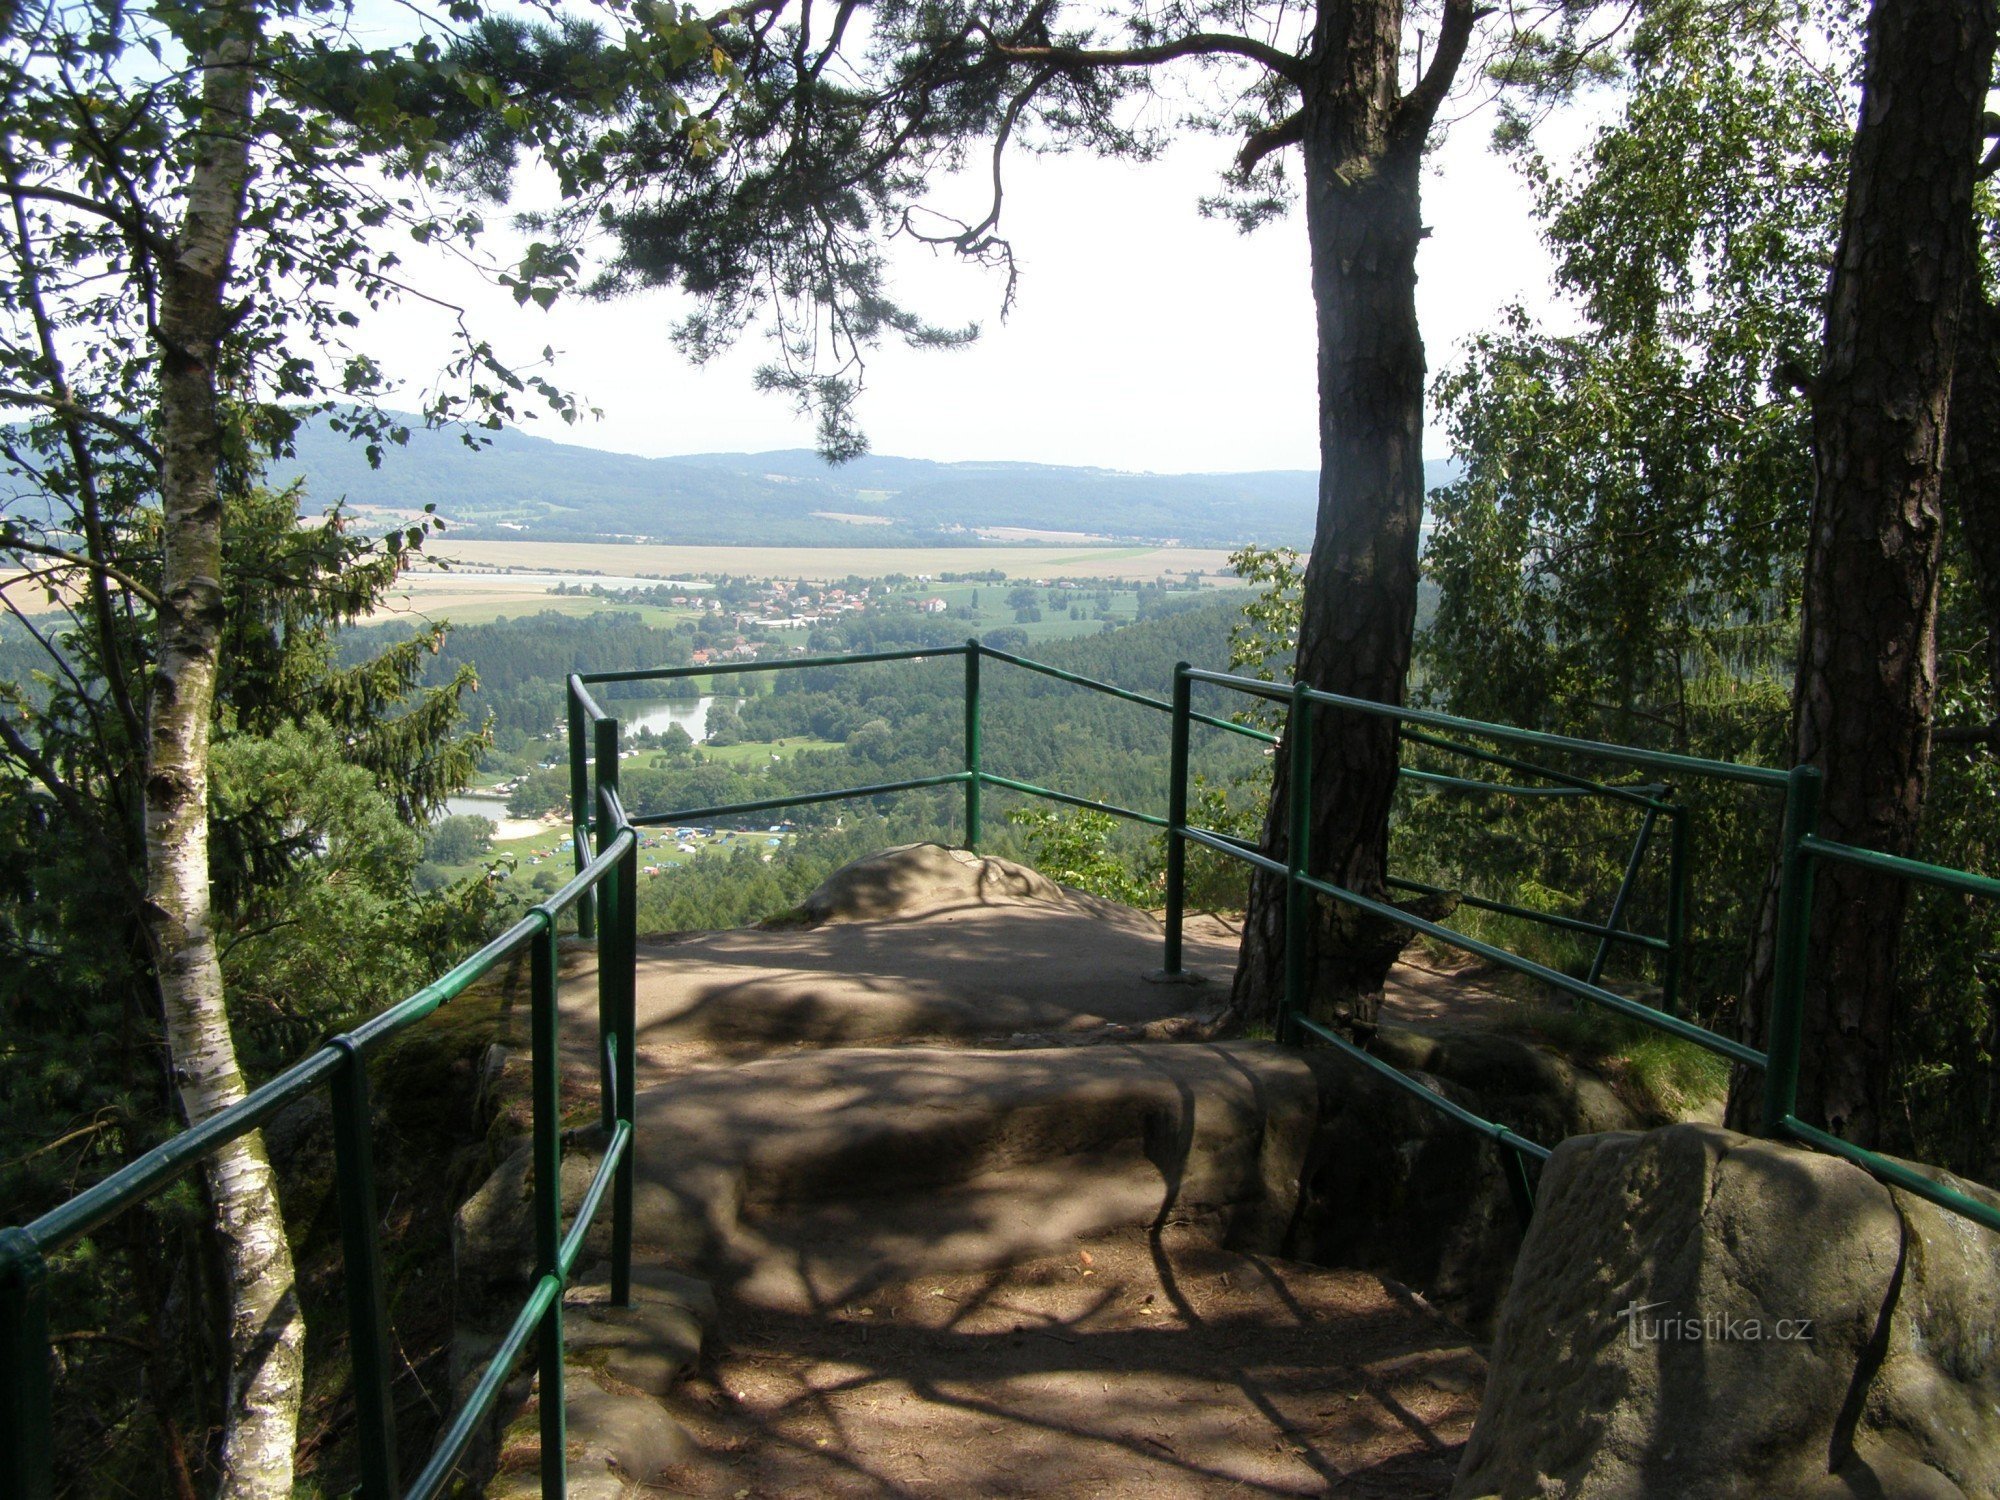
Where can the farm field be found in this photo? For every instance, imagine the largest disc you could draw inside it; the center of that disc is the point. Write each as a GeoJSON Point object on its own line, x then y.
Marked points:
{"type": "Point", "coordinates": [482, 598]}
{"type": "Point", "coordinates": [1135, 564]}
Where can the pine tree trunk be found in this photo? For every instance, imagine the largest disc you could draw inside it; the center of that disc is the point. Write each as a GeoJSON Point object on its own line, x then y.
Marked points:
{"type": "Point", "coordinates": [1867, 672]}
{"type": "Point", "coordinates": [1972, 475]}
{"type": "Point", "coordinates": [1363, 150]}
{"type": "Point", "coordinates": [265, 1335]}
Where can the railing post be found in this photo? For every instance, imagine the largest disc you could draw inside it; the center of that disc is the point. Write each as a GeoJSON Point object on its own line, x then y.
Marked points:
{"type": "Point", "coordinates": [972, 782]}
{"type": "Point", "coordinates": [617, 956]}
{"type": "Point", "coordinates": [27, 1396]}
{"type": "Point", "coordinates": [624, 1186]}
{"type": "Point", "coordinates": [1177, 780]}
{"type": "Point", "coordinates": [579, 807]}
{"type": "Point", "coordinates": [361, 1274]}
{"type": "Point", "coordinates": [1618, 902]}
{"type": "Point", "coordinates": [1677, 853]}
{"type": "Point", "coordinates": [1794, 950]}
{"type": "Point", "coordinates": [1298, 851]}
{"type": "Point", "coordinates": [1519, 1188]}
{"type": "Point", "coordinates": [605, 754]}
{"type": "Point", "coordinates": [545, 1054]}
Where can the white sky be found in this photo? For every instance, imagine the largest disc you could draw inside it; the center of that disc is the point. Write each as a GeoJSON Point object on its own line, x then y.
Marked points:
{"type": "Point", "coordinates": [1144, 337]}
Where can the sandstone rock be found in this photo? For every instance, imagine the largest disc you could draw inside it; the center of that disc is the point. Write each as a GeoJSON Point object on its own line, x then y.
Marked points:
{"type": "Point", "coordinates": [619, 1444]}
{"type": "Point", "coordinates": [1651, 1343]}
{"type": "Point", "coordinates": [651, 1345]}
{"type": "Point", "coordinates": [1935, 1402]}
{"type": "Point", "coordinates": [919, 878]}
{"type": "Point", "coordinates": [493, 1233]}
{"type": "Point", "coordinates": [1394, 1185]}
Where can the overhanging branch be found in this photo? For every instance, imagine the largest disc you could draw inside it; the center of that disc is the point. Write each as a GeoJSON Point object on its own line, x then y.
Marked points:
{"type": "Point", "coordinates": [1197, 44]}
{"type": "Point", "coordinates": [11, 543]}
{"type": "Point", "coordinates": [1287, 132]}
{"type": "Point", "coordinates": [69, 410]}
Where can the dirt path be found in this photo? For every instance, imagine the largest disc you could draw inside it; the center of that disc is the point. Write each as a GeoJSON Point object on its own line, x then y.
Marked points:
{"type": "Point", "coordinates": [944, 1251]}
{"type": "Point", "coordinates": [1133, 1365]}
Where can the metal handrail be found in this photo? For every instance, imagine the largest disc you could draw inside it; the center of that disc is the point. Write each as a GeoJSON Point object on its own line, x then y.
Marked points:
{"type": "Point", "coordinates": [1799, 846]}
{"type": "Point", "coordinates": [26, 1397]}
{"type": "Point", "coordinates": [607, 877]}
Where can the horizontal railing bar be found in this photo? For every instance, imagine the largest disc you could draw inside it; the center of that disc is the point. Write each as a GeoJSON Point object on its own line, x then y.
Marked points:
{"type": "Point", "coordinates": [1499, 1133]}
{"type": "Point", "coordinates": [1222, 843]}
{"type": "Point", "coordinates": [1248, 731]}
{"type": "Point", "coordinates": [1144, 700]}
{"type": "Point", "coordinates": [1467, 784]}
{"type": "Point", "coordinates": [1028, 788]}
{"type": "Point", "coordinates": [1647, 794]}
{"type": "Point", "coordinates": [1077, 679]}
{"type": "Point", "coordinates": [802, 799]}
{"type": "Point", "coordinates": [1659, 760]}
{"type": "Point", "coordinates": [453, 984]}
{"type": "Point", "coordinates": [592, 872]}
{"type": "Point", "coordinates": [1547, 918]}
{"type": "Point", "coordinates": [1275, 692]}
{"type": "Point", "coordinates": [465, 1422]}
{"type": "Point", "coordinates": [1896, 864]}
{"type": "Point", "coordinates": [1657, 1019]}
{"type": "Point", "coordinates": [593, 1196]}
{"type": "Point", "coordinates": [591, 712]}
{"type": "Point", "coordinates": [140, 1179]}
{"type": "Point", "coordinates": [796, 664]}
{"type": "Point", "coordinates": [1895, 1172]}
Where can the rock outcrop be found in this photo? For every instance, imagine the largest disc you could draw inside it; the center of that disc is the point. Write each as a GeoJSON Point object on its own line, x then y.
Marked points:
{"type": "Point", "coordinates": [1698, 1313]}
{"type": "Point", "coordinates": [913, 879]}
{"type": "Point", "coordinates": [1396, 1186]}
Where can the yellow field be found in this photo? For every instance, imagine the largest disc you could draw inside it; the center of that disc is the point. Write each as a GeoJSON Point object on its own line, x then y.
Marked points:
{"type": "Point", "coordinates": [1132, 564]}
{"type": "Point", "coordinates": [473, 598]}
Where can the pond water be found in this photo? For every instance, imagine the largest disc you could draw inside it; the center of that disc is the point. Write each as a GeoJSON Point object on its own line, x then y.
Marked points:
{"type": "Point", "coordinates": [633, 714]}
{"type": "Point", "coordinates": [494, 808]}
{"type": "Point", "coordinates": [637, 714]}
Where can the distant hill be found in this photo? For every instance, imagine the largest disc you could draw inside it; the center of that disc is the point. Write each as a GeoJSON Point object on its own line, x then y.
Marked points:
{"type": "Point", "coordinates": [521, 486]}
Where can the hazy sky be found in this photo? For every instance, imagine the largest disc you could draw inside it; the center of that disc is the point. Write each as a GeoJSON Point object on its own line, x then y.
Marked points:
{"type": "Point", "coordinates": [1144, 336]}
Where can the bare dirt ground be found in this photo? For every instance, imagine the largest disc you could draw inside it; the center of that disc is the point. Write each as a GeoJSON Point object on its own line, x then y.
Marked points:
{"type": "Point", "coordinates": [1134, 1365]}
{"type": "Point", "coordinates": [953, 1254]}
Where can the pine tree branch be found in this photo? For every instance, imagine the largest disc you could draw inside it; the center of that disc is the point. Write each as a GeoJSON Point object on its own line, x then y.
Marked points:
{"type": "Point", "coordinates": [1196, 44]}
{"type": "Point", "coordinates": [1420, 106]}
{"type": "Point", "coordinates": [1287, 132]}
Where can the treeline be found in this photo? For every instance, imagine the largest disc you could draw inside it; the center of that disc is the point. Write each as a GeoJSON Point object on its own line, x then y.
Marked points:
{"type": "Point", "coordinates": [902, 720]}
{"type": "Point", "coordinates": [522, 664]}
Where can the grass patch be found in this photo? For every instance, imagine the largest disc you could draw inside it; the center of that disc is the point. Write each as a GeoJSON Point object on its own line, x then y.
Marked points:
{"type": "Point", "coordinates": [1667, 1075]}
{"type": "Point", "coordinates": [762, 752]}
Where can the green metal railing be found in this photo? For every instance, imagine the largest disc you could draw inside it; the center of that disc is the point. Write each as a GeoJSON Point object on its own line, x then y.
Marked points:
{"type": "Point", "coordinates": [26, 1383]}
{"type": "Point", "coordinates": [1800, 847]}
{"type": "Point", "coordinates": [1445, 733]}
{"type": "Point", "coordinates": [603, 893]}
{"type": "Point", "coordinates": [1650, 799]}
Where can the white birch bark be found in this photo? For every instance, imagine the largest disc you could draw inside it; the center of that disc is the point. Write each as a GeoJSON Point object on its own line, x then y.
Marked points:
{"type": "Point", "coordinates": [266, 1333]}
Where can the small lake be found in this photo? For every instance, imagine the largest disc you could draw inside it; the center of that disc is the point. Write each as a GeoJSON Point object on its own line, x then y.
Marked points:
{"type": "Point", "coordinates": [493, 808]}
{"type": "Point", "coordinates": [637, 714]}
{"type": "Point", "coordinates": [633, 714]}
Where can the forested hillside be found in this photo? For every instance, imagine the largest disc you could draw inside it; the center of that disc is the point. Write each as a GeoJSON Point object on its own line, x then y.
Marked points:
{"type": "Point", "coordinates": [517, 485]}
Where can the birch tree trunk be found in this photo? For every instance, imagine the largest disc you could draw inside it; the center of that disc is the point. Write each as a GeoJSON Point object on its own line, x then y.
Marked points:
{"type": "Point", "coordinates": [266, 1334]}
